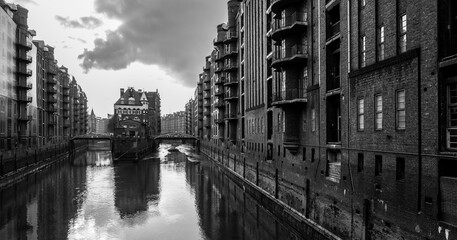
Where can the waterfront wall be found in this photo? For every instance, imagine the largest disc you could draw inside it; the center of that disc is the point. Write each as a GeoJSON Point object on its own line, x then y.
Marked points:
{"type": "Point", "coordinates": [20, 162]}
{"type": "Point", "coordinates": [306, 204]}
{"type": "Point", "coordinates": [261, 184]}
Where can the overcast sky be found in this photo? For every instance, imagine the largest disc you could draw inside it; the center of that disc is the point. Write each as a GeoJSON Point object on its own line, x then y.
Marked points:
{"type": "Point", "coordinates": [113, 44]}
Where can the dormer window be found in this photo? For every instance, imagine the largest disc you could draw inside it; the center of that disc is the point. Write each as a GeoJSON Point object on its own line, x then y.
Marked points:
{"type": "Point", "coordinates": [131, 101]}
{"type": "Point", "coordinates": [122, 100]}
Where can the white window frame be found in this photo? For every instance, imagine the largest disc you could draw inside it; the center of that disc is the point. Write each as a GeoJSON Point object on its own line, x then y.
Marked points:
{"type": "Point", "coordinates": [378, 112]}
{"type": "Point", "coordinates": [360, 114]}
{"type": "Point", "coordinates": [400, 113]}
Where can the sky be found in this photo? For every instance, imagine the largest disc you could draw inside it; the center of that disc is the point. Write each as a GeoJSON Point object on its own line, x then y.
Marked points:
{"type": "Point", "coordinates": [146, 44]}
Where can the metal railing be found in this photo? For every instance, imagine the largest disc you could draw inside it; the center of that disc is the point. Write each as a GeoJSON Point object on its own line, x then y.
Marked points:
{"type": "Point", "coordinates": [333, 30]}
{"type": "Point", "coordinates": [296, 50]}
{"type": "Point", "coordinates": [19, 158]}
{"type": "Point", "coordinates": [290, 94]}
{"type": "Point", "coordinates": [294, 18]}
{"type": "Point", "coordinates": [231, 95]}
{"type": "Point", "coordinates": [231, 34]}
{"type": "Point", "coordinates": [448, 46]}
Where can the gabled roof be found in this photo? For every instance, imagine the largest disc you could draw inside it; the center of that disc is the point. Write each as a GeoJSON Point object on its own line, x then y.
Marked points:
{"type": "Point", "coordinates": [130, 93]}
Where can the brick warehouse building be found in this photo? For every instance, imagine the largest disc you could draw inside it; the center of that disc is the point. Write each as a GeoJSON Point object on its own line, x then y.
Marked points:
{"type": "Point", "coordinates": [137, 113]}
{"type": "Point", "coordinates": [345, 111]}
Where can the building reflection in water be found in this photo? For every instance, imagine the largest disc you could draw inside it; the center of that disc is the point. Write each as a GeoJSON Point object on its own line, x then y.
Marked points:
{"type": "Point", "coordinates": [94, 158]}
{"type": "Point", "coordinates": [136, 187]}
{"type": "Point", "coordinates": [42, 204]}
{"type": "Point", "coordinates": [170, 198]}
{"type": "Point", "coordinates": [227, 212]}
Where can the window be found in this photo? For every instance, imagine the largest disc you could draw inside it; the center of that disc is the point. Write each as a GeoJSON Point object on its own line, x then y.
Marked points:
{"type": "Point", "coordinates": [378, 165]}
{"type": "Point", "coordinates": [363, 51]}
{"type": "Point", "coordinates": [362, 3]}
{"type": "Point", "coordinates": [360, 162]}
{"type": "Point", "coordinates": [400, 168]}
{"type": "Point", "coordinates": [378, 112]}
{"type": "Point", "coordinates": [304, 154]}
{"type": "Point", "coordinates": [402, 33]}
{"type": "Point", "coordinates": [452, 116]}
{"type": "Point", "coordinates": [313, 153]}
{"type": "Point", "coordinates": [401, 112]}
{"type": "Point", "coordinates": [360, 114]}
{"type": "Point", "coordinates": [381, 43]}
{"type": "Point", "coordinates": [313, 119]}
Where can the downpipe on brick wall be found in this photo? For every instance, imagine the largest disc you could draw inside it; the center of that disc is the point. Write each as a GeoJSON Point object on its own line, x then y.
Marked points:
{"type": "Point", "coordinates": [419, 129]}
{"type": "Point", "coordinates": [348, 113]}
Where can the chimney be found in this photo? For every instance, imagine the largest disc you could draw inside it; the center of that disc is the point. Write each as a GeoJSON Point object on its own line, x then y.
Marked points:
{"type": "Point", "coordinates": [122, 92]}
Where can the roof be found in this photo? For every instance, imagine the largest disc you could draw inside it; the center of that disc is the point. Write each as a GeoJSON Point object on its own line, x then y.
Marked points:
{"type": "Point", "coordinates": [130, 93]}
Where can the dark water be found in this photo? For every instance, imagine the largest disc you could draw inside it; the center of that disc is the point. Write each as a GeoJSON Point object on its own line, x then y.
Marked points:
{"type": "Point", "coordinates": [164, 196]}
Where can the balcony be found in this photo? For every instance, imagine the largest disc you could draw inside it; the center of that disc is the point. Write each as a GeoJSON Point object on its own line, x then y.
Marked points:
{"type": "Point", "coordinates": [448, 46]}
{"type": "Point", "coordinates": [206, 95]}
{"type": "Point", "coordinates": [233, 66]}
{"type": "Point", "coordinates": [24, 58]}
{"type": "Point", "coordinates": [27, 44]}
{"type": "Point", "coordinates": [219, 69]}
{"type": "Point", "coordinates": [52, 81]}
{"type": "Point", "coordinates": [231, 81]}
{"type": "Point", "coordinates": [219, 92]}
{"type": "Point", "coordinates": [51, 99]}
{"type": "Point", "coordinates": [51, 121]}
{"type": "Point", "coordinates": [52, 69]}
{"type": "Point", "coordinates": [52, 108]}
{"type": "Point", "coordinates": [219, 104]}
{"type": "Point", "coordinates": [290, 56]}
{"type": "Point", "coordinates": [219, 80]}
{"type": "Point", "coordinates": [207, 67]}
{"type": "Point", "coordinates": [22, 83]}
{"type": "Point", "coordinates": [333, 31]}
{"type": "Point", "coordinates": [52, 90]}
{"type": "Point", "coordinates": [219, 40]}
{"type": "Point", "coordinates": [24, 118]}
{"type": "Point", "coordinates": [219, 120]}
{"type": "Point", "coordinates": [231, 36]}
{"type": "Point", "coordinates": [278, 5]}
{"type": "Point", "coordinates": [27, 72]}
{"type": "Point", "coordinates": [231, 96]}
{"type": "Point", "coordinates": [206, 79]}
{"type": "Point", "coordinates": [296, 22]}
{"type": "Point", "coordinates": [290, 96]}
{"type": "Point", "coordinates": [207, 86]}
{"type": "Point", "coordinates": [219, 56]}
{"type": "Point", "coordinates": [231, 52]}
{"type": "Point", "coordinates": [230, 116]}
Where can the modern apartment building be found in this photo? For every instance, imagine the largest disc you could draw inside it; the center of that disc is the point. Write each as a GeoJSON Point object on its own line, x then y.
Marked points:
{"type": "Point", "coordinates": [190, 111]}
{"type": "Point", "coordinates": [33, 97]}
{"type": "Point", "coordinates": [343, 110]}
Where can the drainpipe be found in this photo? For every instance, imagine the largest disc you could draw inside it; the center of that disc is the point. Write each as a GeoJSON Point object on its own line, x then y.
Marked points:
{"type": "Point", "coordinates": [348, 113]}
{"type": "Point", "coordinates": [419, 130]}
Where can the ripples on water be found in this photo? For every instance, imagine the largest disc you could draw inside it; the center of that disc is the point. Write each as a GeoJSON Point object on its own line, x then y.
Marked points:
{"type": "Point", "coordinates": [163, 196]}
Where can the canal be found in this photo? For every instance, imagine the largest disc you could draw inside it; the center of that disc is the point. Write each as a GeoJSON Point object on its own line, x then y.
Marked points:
{"type": "Point", "coordinates": [167, 195]}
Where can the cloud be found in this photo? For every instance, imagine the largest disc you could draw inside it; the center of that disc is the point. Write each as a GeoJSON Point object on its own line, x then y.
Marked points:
{"type": "Point", "coordinates": [25, 2]}
{"type": "Point", "coordinates": [83, 22]}
{"type": "Point", "coordinates": [78, 39]}
{"type": "Point", "coordinates": [168, 33]}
